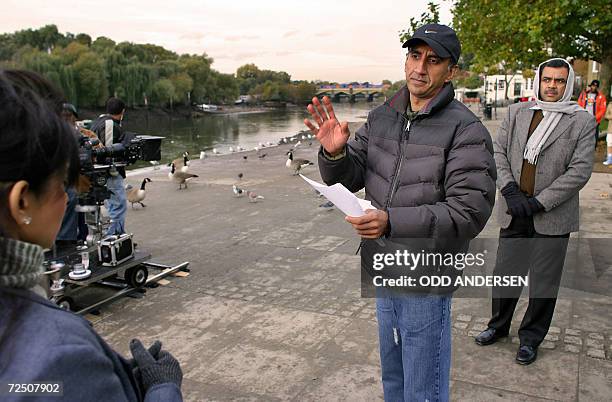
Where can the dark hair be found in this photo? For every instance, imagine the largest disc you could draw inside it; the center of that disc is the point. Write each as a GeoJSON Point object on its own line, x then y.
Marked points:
{"type": "Point", "coordinates": [35, 143]}
{"type": "Point", "coordinates": [555, 63]}
{"type": "Point", "coordinates": [41, 87]}
{"type": "Point", "coordinates": [114, 106]}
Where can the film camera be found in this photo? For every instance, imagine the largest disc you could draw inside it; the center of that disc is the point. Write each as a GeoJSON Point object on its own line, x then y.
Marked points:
{"type": "Point", "coordinates": [98, 163]}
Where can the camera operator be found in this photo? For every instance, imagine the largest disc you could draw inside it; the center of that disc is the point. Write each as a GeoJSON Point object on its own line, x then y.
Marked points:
{"type": "Point", "coordinates": [108, 129]}
{"type": "Point", "coordinates": [39, 342]}
{"type": "Point", "coordinates": [73, 226]}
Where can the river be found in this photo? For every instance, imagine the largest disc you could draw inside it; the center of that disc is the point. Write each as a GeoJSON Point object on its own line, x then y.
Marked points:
{"type": "Point", "coordinates": [246, 130]}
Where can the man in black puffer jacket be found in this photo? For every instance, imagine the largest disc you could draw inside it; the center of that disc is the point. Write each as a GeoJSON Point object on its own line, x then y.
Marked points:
{"type": "Point", "coordinates": [427, 165]}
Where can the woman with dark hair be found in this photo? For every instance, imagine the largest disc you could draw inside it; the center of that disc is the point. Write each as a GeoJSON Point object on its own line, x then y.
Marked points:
{"type": "Point", "coordinates": [39, 342]}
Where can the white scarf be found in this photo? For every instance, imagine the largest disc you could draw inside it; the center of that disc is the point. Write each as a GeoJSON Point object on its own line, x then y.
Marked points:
{"type": "Point", "coordinates": [554, 112]}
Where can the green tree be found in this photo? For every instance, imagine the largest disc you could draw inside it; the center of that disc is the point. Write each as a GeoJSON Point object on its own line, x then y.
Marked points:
{"type": "Point", "coordinates": [503, 42]}
{"type": "Point", "coordinates": [302, 92]}
{"type": "Point", "coordinates": [247, 71]}
{"type": "Point", "coordinates": [227, 88]}
{"type": "Point", "coordinates": [101, 43]}
{"type": "Point", "coordinates": [578, 29]}
{"type": "Point", "coordinates": [198, 68]}
{"type": "Point", "coordinates": [431, 16]}
{"type": "Point", "coordinates": [512, 35]}
{"type": "Point", "coordinates": [8, 46]}
{"type": "Point", "coordinates": [83, 39]}
{"type": "Point", "coordinates": [470, 81]}
{"type": "Point", "coordinates": [91, 82]}
{"type": "Point", "coordinates": [183, 85]}
{"type": "Point", "coordinates": [163, 92]}
{"type": "Point", "coordinates": [72, 52]}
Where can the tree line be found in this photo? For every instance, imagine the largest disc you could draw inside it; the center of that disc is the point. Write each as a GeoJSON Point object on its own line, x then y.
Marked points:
{"type": "Point", "coordinates": [508, 36]}
{"type": "Point", "coordinates": [89, 71]}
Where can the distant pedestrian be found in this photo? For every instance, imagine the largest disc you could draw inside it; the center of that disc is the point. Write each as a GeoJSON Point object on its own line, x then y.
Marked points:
{"type": "Point", "coordinates": [608, 117]}
{"type": "Point", "coordinates": [594, 101]}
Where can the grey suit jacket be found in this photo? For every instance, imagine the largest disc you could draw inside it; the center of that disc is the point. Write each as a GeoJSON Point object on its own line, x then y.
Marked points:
{"type": "Point", "coordinates": [563, 168]}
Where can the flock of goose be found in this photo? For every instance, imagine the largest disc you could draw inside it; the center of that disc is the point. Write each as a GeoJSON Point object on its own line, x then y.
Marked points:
{"type": "Point", "coordinates": [179, 170]}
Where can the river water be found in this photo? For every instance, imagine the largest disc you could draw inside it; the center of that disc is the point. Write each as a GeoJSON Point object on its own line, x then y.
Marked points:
{"type": "Point", "coordinates": [231, 130]}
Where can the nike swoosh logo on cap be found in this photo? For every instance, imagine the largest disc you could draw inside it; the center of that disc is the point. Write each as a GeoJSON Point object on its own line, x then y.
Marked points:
{"type": "Point", "coordinates": [427, 31]}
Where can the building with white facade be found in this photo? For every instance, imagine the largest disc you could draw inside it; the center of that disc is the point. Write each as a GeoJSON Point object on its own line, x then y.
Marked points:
{"type": "Point", "coordinates": [519, 88]}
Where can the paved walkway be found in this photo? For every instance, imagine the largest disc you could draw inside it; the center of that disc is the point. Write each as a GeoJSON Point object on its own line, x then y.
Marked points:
{"type": "Point", "coordinates": [272, 308]}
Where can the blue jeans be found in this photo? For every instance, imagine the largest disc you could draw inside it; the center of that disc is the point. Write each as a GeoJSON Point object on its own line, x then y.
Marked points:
{"type": "Point", "coordinates": [415, 346]}
{"type": "Point", "coordinates": [68, 230]}
{"type": "Point", "coordinates": [116, 205]}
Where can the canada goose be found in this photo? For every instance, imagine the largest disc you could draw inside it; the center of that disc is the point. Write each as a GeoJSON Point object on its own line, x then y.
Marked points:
{"type": "Point", "coordinates": [262, 156]}
{"type": "Point", "coordinates": [253, 197]}
{"type": "Point", "coordinates": [183, 161]}
{"type": "Point", "coordinates": [245, 157]}
{"type": "Point", "coordinates": [137, 195]}
{"type": "Point", "coordinates": [238, 192]}
{"type": "Point", "coordinates": [185, 166]}
{"type": "Point", "coordinates": [296, 164]}
{"type": "Point", "coordinates": [180, 177]}
{"type": "Point", "coordinates": [327, 204]}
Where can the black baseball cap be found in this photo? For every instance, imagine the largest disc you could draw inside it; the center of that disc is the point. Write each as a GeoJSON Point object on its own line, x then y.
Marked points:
{"type": "Point", "coordinates": [441, 38]}
{"type": "Point", "coordinates": [594, 82]}
{"type": "Point", "coordinates": [69, 107]}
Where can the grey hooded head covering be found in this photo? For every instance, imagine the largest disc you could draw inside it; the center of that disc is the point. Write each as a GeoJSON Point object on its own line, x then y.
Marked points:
{"type": "Point", "coordinates": [553, 113]}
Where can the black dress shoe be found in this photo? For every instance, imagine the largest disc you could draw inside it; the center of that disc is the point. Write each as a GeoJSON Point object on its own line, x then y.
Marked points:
{"type": "Point", "coordinates": [526, 354]}
{"type": "Point", "coordinates": [489, 336]}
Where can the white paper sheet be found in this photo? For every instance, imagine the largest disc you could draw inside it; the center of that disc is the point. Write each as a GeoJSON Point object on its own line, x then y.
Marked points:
{"type": "Point", "coordinates": [342, 198]}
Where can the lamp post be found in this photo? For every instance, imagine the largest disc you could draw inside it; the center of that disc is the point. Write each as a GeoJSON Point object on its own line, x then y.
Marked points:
{"type": "Point", "coordinates": [495, 104]}
{"type": "Point", "coordinates": [486, 84]}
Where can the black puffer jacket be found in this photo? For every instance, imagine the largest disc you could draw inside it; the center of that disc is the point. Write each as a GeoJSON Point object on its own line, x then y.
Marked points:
{"type": "Point", "coordinates": [435, 175]}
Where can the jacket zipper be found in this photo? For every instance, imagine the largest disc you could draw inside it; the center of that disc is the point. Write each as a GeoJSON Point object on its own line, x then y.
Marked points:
{"type": "Point", "coordinates": [394, 184]}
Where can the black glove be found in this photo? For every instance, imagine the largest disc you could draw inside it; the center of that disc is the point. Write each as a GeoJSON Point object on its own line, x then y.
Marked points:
{"type": "Point", "coordinates": [535, 205]}
{"type": "Point", "coordinates": [153, 351]}
{"type": "Point", "coordinates": [518, 205]}
{"type": "Point", "coordinates": [153, 371]}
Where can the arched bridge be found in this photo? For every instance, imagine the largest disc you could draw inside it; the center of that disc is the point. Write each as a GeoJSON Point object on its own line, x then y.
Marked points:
{"type": "Point", "coordinates": [353, 92]}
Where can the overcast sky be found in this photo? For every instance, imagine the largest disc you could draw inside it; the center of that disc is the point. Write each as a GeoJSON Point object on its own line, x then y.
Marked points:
{"type": "Point", "coordinates": [341, 40]}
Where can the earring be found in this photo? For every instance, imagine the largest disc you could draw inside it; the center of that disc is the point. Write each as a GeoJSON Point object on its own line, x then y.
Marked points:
{"type": "Point", "coordinates": [27, 220]}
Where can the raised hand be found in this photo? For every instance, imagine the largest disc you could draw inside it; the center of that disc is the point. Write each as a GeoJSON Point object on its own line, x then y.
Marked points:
{"type": "Point", "coordinates": [332, 134]}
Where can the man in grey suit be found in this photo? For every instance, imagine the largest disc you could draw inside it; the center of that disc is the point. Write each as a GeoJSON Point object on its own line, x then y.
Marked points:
{"type": "Point", "coordinates": [544, 156]}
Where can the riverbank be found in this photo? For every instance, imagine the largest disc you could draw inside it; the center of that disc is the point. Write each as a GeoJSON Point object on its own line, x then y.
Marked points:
{"type": "Point", "coordinates": [178, 111]}
{"type": "Point", "coordinates": [272, 309]}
